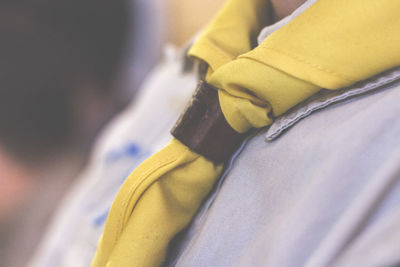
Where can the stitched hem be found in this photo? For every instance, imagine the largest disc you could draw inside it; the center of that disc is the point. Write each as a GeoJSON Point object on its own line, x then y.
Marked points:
{"type": "Point", "coordinates": [299, 68]}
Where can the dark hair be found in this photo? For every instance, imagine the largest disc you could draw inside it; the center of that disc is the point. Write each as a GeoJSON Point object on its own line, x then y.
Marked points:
{"type": "Point", "coordinates": [47, 48]}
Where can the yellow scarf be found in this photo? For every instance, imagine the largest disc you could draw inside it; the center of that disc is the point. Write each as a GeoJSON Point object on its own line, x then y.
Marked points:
{"type": "Point", "coordinates": [331, 45]}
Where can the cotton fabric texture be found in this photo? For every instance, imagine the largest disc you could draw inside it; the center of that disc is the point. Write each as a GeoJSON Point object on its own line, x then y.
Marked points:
{"type": "Point", "coordinates": [326, 192]}
{"type": "Point", "coordinates": [324, 47]}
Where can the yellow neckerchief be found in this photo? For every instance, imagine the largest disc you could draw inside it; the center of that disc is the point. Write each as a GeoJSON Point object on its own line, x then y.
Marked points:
{"type": "Point", "coordinates": [331, 45]}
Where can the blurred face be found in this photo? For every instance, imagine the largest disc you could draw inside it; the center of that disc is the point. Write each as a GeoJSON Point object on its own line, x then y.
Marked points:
{"type": "Point", "coordinates": [20, 179]}
{"type": "Point", "coordinates": [283, 8]}
{"type": "Point", "coordinates": [59, 62]}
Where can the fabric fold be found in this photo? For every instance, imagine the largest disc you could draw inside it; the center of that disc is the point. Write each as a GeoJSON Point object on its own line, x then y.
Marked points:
{"type": "Point", "coordinates": [331, 45]}
{"type": "Point", "coordinates": [156, 201]}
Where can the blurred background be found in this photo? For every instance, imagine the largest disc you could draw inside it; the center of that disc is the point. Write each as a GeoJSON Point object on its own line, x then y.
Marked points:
{"type": "Point", "coordinates": [39, 201]}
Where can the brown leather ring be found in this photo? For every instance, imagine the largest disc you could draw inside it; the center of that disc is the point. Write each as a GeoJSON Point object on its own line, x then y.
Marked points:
{"type": "Point", "coordinates": [203, 127]}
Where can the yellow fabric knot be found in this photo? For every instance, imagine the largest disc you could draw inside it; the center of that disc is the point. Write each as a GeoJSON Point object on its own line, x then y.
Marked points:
{"type": "Point", "coordinates": [331, 45]}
